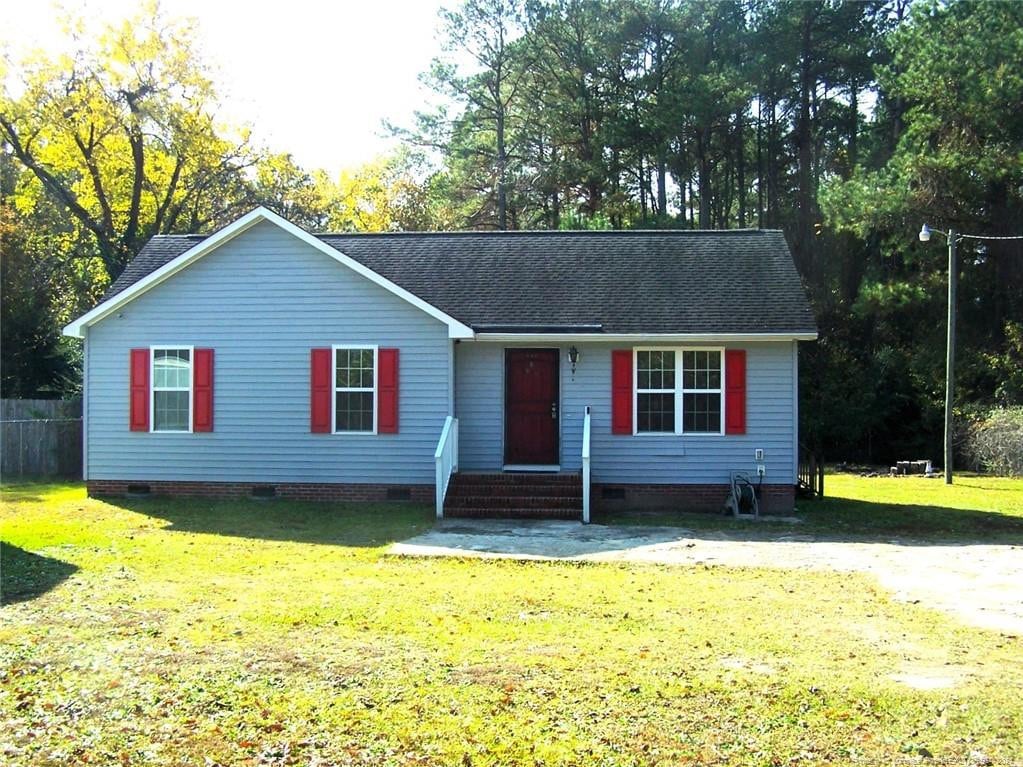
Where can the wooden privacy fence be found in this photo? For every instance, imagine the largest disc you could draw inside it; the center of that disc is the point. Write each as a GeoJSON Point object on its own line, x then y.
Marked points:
{"type": "Point", "coordinates": [40, 438]}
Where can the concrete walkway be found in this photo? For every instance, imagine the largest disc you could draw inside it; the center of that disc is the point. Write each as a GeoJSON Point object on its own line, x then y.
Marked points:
{"type": "Point", "coordinates": [981, 584]}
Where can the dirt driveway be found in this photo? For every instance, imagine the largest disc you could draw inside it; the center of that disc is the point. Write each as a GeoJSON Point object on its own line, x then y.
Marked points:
{"type": "Point", "coordinates": [980, 583]}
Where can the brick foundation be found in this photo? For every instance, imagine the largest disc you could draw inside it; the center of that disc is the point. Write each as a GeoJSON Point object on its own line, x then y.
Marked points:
{"type": "Point", "coordinates": [774, 499]}
{"type": "Point", "coordinates": [299, 491]}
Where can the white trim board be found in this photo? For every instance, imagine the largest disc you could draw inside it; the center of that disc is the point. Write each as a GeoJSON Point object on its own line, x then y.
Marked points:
{"type": "Point", "coordinates": [85, 407]}
{"type": "Point", "coordinates": [76, 328]}
{"type": "Point", "coordinates": [651, 338]}
{"type": "Point", "coordinates": [795, 413]}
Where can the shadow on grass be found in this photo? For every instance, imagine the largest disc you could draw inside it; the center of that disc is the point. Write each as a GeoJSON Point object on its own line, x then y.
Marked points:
{"type": "Point", "coordinates": [649, 534]}
{"type": "Point", "coordinates": [373, 525]}
{"type": "Point", "coordinates": [842, 519]}
{"type": "Point", "coordinates": [35, 489]}
{"type": "Point", "coordinates": [23, 492]}
{"type": "Point", "coordinates": [25, 576]}
{"type": "Point", "coordinates": [336, 524]}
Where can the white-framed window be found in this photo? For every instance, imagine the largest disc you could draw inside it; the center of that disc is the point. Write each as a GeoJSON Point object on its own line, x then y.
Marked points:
{"type": "Point", "coordinates": [679, 391]}
{"type": "Point", "coordinates": [655, 391]}
{"type": "Point", "coordinates": [355, 389]}
{"type": "Point", "coordinates": [702, 401]}
{"type": "Point", "coordinates": [171, 392]}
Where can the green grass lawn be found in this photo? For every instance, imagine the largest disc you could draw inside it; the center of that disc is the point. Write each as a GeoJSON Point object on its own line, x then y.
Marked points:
{"type": "Point", "coordinates": [265, 633]}
{"type": "Point", "coordinates": [973, 508]}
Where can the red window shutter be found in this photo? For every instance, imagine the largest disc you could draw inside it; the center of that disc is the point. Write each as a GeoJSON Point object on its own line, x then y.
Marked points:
{"type": "Point", "coordinates": [735, 391]}
{"type": "Point", "coordinates": [387, 391]}
{"type": "Point", "coordinates": [138, 408]}
{"type": "Point", "coordinates": [322, 360]}
{"type": "Point", "coordinates": [621, 391]}
{"type": "Point", "coordinates": [202, 390]}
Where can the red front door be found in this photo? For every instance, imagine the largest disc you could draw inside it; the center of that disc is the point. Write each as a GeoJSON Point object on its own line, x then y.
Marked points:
{"type": "Point", "coordinates": [531, 406]}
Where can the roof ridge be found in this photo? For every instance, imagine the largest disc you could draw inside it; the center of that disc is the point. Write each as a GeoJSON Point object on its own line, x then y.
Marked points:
{"type": "Point", "coordinates": [523, 233]}
{"type": "Point", "coordinates": [551, 232]}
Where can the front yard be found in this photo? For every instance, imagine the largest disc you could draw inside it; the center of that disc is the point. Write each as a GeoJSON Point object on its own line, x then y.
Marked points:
{"type": "Point", "coordinates": [171, 632]}
{"type": "Point", "coordinates": [974, 508]}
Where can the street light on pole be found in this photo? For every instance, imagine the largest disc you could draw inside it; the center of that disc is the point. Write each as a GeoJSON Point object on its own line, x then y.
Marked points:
{"type": "Point", "coordinates": [953, 238]}
{"type": "Point", "coordinates": [950, 343]}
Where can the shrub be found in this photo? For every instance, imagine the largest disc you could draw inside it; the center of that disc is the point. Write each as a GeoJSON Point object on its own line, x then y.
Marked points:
{"type": "Point", "coordinates": [995, 442]}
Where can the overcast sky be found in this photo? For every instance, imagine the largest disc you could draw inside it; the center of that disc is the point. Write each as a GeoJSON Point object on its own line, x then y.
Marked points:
{"type": "Point", "coordinates": [312, 78]}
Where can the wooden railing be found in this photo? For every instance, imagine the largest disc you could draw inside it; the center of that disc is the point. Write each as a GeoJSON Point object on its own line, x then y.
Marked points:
{"type": "Point", "coordinates": [586, 466]}
{"type": "Point", "coordinates": [810, 473]}
{"type": "Point", "coordinates": [446, 459]}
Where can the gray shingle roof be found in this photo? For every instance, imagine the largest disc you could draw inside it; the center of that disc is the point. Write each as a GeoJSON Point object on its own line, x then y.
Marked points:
{"type": "Point", "coordinates": [734, 281]}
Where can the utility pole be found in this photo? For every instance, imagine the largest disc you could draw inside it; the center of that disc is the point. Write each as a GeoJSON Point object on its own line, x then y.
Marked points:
{"type": "Point", "coordinates": [950, 351]}
{"type": "Point", "coordinates": [953, 238]}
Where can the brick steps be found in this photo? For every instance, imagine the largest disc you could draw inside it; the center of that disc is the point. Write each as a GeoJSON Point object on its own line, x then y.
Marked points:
{"type": "Point", "coordinates": [514, 501]}
{"type": "Point", "coordinates": [520, 478]}
{"type": "Point", "coordinates": [518, 496]}
{"type": "Point", "coordinates": [492, 513]}
{"type": "Point", "coordinates": [457, 488]}
{"type": "Point", "coordinates": [516, 491]}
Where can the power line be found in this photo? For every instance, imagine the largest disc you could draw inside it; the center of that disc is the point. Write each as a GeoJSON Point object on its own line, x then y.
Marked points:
{"type": "Point", "coordinates": [925, 235]}
{"type": "Point", "coordinates": [988, 236]}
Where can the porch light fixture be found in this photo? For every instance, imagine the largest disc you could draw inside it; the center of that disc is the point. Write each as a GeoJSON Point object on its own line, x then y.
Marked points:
{"type": "Point", "coordinates": [573, 358]}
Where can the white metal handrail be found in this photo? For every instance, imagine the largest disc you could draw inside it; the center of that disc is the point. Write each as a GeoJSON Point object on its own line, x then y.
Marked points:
{"type": "Point", "coordinates": [586, 466]}
{"type": "Point", "coordinates": [446, 459]}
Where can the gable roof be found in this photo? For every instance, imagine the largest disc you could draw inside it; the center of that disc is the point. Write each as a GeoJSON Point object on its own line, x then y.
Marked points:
{"type": "Point", "coordinates": [727, 283]}
{"type": "Point", "coordinates": [156, 270]}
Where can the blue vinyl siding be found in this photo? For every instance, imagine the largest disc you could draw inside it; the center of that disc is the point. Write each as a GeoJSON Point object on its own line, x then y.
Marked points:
{"type": "Point", "coordinates": [262, 301]}
{"type": "Point", "coordinates": [647, 459]}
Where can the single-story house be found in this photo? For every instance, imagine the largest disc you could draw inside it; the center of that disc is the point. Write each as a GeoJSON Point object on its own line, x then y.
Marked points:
{"type": "Point", "coordinates": [508, 373]}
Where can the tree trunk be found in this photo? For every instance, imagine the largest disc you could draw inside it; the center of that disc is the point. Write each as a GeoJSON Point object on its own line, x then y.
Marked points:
{"type": "Point", "coordinates": [760, 161]}
{"type": "Point", "coordinates": [854, 127]}
{"type": "Point", "coordinates": [502, 170]}
{"type": "Point", "coordinates": [692, 204]}
{"type": "Point", "coordinates": [740, 166]}
{"type": "Point", "coordinates": [683, 183]}
{"type": "Point", "coordinates": [704, 176]}
{"type": "Point", "coordinates": [804, 144]}
{"type": "Point", "coordinates": [772, 165]}
{"type": "Point", "coordinates": [1003, 253]}
{"type": "Point", "coordinates": [898, 106]}
{"type": "Point", "coordinates": [662, 183]}
{"type": "Point", "coordinates": [642, 189]}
